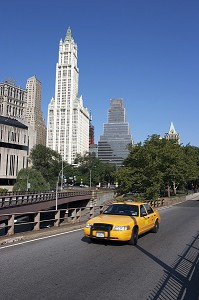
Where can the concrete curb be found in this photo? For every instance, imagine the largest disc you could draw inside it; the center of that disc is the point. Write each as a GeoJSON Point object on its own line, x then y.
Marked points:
{"type": "Point", "coordinates": [41, 233]}
{"type": "Point", "coordinates": [12, 240]}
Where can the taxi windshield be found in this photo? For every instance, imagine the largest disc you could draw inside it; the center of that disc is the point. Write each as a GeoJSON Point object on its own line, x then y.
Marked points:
{"type": "Point", "coordinates": [122, 209]}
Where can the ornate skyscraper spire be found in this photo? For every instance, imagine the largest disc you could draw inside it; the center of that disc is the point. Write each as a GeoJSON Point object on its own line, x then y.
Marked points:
{"type": "Point", "coordinates": [68, 119]}
{"type": "Point", "coordinates": [68, 35]}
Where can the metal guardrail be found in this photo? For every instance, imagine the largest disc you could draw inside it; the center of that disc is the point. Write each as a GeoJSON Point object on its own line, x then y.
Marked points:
{"type": "Point", "coordinates": [156, 203]}
{"type": "Point", "coordinates": [38, 220]}
{"type": "Point", "coordinates": [27, 198]}
{"type": "Point", "coordinates": [57, 217]}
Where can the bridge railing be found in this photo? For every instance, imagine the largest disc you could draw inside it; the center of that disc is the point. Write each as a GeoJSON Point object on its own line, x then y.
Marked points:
{"type": "Point", "coordinates": [42, 219]}
{"type": "Point", "coordinates": [31, 221]}
{"type": "Point", "coordinates": [27, 198]}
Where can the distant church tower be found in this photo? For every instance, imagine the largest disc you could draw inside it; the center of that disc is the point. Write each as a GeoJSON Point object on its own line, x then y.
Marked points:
{"type": "Point", "coordinates": [172, 134]}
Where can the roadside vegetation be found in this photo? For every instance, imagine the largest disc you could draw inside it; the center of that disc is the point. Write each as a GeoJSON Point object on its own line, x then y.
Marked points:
{"type": "Point", "coordinates": [46, 167]}
{"type": "Point", "coordinates": [157, 167]}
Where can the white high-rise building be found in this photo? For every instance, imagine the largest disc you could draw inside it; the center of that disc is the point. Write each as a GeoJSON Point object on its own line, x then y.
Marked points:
{"type": "Point", "coordinates": [34, 116]}
{"type": "Point", "coordinates": [68, 119]}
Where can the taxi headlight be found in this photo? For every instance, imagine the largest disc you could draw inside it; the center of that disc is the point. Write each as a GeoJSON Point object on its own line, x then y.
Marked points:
{"type": "Point", "coordinates": [88, 225]}
{"type": "Point", "coordinates": [121, 228]}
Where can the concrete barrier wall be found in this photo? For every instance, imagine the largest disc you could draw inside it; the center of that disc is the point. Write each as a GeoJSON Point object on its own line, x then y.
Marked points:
{"type": "Point", "coordinates": [104, 197]}
{"type": "Point", "coordinates": [193, 196]}
{"type": "Point", "coordinates": [100, 197]}
{"type": "Point", "coordinates": [174, 200]}
{"type": "Point", "coordinates": [179, 199]}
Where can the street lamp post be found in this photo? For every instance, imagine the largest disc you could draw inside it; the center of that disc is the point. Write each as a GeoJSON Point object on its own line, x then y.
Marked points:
{"type": "Point", "coordinates": [90, 171]}
{"type": "Point", "coordinates": [90, 178]}
{"type": "Point", "coordinates": [27, 180]}
{"type": "Point", "coordinates": [27, 183]}
{"type": "Point", "coordinates": [62, 175]}
{"type": "Point", "coordinates": [57, 189]}
{"type": "Point", "coordinates": [56, 193]}
{"type": "Point", "coordinates": [56, 196]}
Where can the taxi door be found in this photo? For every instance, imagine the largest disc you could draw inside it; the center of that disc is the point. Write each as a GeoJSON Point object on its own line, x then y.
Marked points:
{"type": "Point", "coordinates": [151, 216]}
{"type": "Point", "coordinates": [143, 220]}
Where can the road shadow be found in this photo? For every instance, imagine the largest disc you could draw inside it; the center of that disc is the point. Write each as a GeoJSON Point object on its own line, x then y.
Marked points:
{"type": "Point", "coordinates": [180, 280]}
{"type": "Point", "coordinates": [111, 242]}
{"type": "Point", "coordinates": [102, 242]}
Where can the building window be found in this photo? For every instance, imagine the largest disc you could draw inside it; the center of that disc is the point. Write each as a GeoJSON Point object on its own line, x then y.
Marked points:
{"type": "Point", "coordinates": [23, 162]}
{"type": "Point", "coordinates": [7, 165]}
{"type": "Point", "coordinates": [12, 165]}
{"type": "Point", "coordinates": [17, 165]}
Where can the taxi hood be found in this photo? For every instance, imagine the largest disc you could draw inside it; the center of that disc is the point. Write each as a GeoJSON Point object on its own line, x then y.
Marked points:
{"type": "Point", "coordinates": [112, 219]}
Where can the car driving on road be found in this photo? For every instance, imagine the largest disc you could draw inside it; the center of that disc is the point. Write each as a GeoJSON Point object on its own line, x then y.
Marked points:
{"type": "Point", "coordinates": [123, 221]}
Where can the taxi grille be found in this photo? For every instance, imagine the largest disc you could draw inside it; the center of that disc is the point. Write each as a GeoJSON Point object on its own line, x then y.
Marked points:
{"type": "Point", "coordinates": [101, 226]}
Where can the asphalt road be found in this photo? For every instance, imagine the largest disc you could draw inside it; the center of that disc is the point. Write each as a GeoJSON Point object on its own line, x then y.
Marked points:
{"type": "Point", "coordinates": [162, 266]}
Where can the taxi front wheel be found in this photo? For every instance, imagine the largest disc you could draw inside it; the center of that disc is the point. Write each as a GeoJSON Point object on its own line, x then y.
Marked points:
{"type": "Point", "coordinates": [156, 227]}
{"type": "Point", "coordinates": [134, 237]}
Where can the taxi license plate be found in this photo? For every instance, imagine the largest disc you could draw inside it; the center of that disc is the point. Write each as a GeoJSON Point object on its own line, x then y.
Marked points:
{"type": "Point", "coordinates": [100, 234]}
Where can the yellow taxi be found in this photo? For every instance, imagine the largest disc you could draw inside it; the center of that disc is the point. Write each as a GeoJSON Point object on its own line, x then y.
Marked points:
{"type": "Point", "coordinates": [123, 221]}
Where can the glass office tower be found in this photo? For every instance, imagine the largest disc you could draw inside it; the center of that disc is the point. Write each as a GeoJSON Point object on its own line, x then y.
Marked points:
{"type": "Point", "coordinates": [112, 146]}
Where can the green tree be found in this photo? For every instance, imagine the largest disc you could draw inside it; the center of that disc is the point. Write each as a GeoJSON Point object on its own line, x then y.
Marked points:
{"type": "Point", "coordinates": [192, 166]}
{"type": "Point", "coordinates": [48, 162]}
{"type": "Point", "coordinates": [32, 177]}
{"type": "Point", "coordinates": [144, 162]}
{"type": "Point", "coordinates": [90, 167]}
{"type": "Point", "coordinates": [155, 165]}
{"type": "Point", "coordinates": [173, 166]}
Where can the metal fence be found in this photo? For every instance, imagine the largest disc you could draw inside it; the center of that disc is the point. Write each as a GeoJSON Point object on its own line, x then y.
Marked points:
{"type": "Point", "coordinates": [31, 221]}
{"type": "Point", "coordinates": [27, 198]}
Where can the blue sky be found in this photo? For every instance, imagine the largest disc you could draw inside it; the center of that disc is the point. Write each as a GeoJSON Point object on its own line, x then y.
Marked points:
{"type": "Point", "coordinates": [144, 51]}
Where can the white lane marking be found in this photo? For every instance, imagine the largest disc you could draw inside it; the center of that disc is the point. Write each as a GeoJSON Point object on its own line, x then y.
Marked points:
{"type": "Point", "coordinates": [41, 238]}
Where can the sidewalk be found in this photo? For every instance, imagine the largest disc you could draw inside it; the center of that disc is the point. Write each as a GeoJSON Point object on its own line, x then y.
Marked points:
{"type": "Point", "coordinates": [30, 235]}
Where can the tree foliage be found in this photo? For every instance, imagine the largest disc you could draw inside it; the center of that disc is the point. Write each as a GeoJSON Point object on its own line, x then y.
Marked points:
{"type": "Point", "coordinates": [30, 180]}
{"type": "Point", "coordinates": [158, 165]}
{"type": "Point", "coordinates": [90, 167]}
{"type": "Point", "coordinates": [85, 168]}
{"type": "Point", "coordinates": [48, 162]}
{"type": "Point", "coordinates": [154, 167]}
